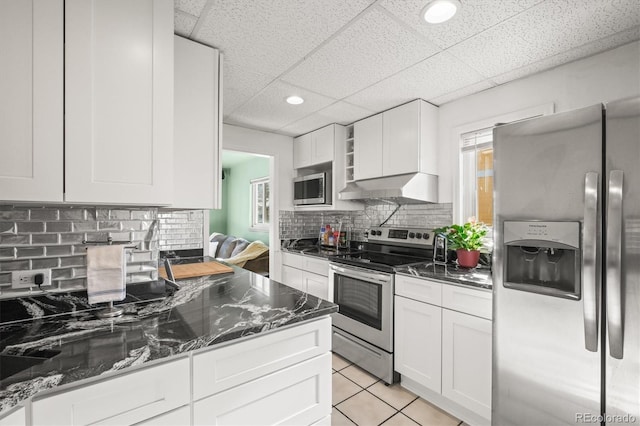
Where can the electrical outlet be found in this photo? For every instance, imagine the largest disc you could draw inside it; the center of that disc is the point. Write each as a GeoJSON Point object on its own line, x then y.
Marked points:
{"type": "Point", "coordinates": [26, 279]}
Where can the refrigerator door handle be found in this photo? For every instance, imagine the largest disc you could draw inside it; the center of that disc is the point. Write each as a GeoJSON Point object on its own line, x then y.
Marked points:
{"type": "Point", "coordinates": [589, 262]}
{"type": "Point", "coordinates": [615, 326]}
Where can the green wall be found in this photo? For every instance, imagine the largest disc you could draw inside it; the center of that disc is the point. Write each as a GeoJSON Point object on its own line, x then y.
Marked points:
{"type": "Point", "coordinates": [235, 215]}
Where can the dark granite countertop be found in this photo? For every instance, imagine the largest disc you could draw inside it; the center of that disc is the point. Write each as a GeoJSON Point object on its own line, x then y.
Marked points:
{"type": "Point", "coordinates": [317, 252]}
{"type": "Point", "coordinates": [474, 277]}
{"type": "Point", "coordinates": [203, 312]}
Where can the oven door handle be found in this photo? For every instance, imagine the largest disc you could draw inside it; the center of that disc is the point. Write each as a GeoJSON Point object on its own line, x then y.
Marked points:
{"type": "Point", "coordinates": [361, 274]}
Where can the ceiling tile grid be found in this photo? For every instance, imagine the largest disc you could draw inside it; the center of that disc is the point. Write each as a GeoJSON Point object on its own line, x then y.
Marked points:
{"type": "Point", "coordinates": [465, 91]}
{"type": "Point", "coordinates": [556, 26]}
{"type": "Point", "coordinates": [183, 23]}
{"type": "Point", "coordinates": [474, 17]}
{"type": "Point", "coordinates": [269, 109]}
{"type": "Point", "coordinates": [192, 7]}
{"type": "Point", "coordinates": [339, 112]}
{"type": "Point", "coordinates": [585, 50]}
{"type": "Point", "coordinates": [433, 77]}
{"type": "Point", "coordinates": [240, 85]}
{"type": "Point", "coordinates": [270, 36]}
{"type": "Point", "coordinates": [371, 49]}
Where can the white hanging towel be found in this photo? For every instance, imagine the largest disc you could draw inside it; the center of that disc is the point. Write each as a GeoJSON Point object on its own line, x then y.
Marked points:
{"type": "Point", "coordinates": [106, 272]}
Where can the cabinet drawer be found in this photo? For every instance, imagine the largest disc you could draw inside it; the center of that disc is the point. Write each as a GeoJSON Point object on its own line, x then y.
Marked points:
{"type": "Point", "coordinates": [179, 416]}
{"type": "Point", "coordinates": [17, 417]}
{"type": "Point", "coordinates": [419, 289]}
{"type": "Point", "coordinates": [300, 394]}
{"type": "Point", "coordinates": [125, 399]}
{"type": "Point", "coordinates": [293, 260]}
{"type": "Point", "coordinates": [317, 266]}
{"type": "Point", "coordinates": [467, 300]}
{"type": "Point", "coordinates": [223, 368]}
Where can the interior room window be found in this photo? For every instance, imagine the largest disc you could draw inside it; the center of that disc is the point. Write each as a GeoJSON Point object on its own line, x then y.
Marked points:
{"type": "Point", "coordinates": [477, 175]}
{"type": "Point", "coordinates": [260, 203]}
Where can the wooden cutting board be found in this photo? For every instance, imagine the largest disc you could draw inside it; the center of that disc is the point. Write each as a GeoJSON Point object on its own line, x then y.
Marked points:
{"type": "Point", "coordinates": [191, 270]}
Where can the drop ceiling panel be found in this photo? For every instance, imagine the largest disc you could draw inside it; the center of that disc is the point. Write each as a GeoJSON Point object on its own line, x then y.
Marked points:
{"type": "Point", "coordinates": [271, 36]}
{"type": "Point", "coordinates": [588, 49]}
{"type": "Point", "coordinates": [460, 93]}
{"type": "Point", "coordinates": [474, 17]}
{"type": "Point", "coordinates": [183, 23]}
{"type": "Point", "coordinates": [371, 49]}
{"type": "Point", "coordinates": [555, 27]}
{"type": "Point", "coordinates": [435, 76]}
{"type": "Point", "coordinates": [340, 112]}
{"type": "Point", "coordinates": [240, 85]}
{"type": "Point", "coordinates": [268, 110]}
{"type": "Point", "coordinates": [495, 51]}
{"type": "Point", "coordinates": [192, 7]}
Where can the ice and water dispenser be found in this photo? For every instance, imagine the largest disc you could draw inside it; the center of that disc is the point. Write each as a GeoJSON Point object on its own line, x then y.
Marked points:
{"type": "Point", "coordinates": [543, 257]}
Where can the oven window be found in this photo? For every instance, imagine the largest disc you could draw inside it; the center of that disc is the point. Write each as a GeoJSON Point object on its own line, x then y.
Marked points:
{"type": "Point", "coordinates": [359, 300]}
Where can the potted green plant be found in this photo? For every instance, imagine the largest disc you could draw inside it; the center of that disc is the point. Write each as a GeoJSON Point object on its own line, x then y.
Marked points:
{"type": "Point", "coordinates": [467, 240]}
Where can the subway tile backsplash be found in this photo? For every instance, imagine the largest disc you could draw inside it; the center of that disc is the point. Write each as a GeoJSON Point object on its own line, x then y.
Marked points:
{"type": "Point", "coordinates": [180, 230]}
{"type": "Point", "coordinates": [51, 237]}
{"type": "Point", "coordinates": [299, 224]}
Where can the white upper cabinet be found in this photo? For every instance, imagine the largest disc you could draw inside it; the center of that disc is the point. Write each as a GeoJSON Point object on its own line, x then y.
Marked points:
{"type": "Point", "coordinates": [31, 100]}
{"type": "Point", "coordinates": [314, 148]}
{"type": "Point", "coordinates": [367, 148]}
{"type": "Point", "coordinates": [302, 151]}
{"type": "Point", "coordinates": [119, 101]}
{"type": "Point", "coordinates": [400, 140]}
{"type": "Point", "coordinates": [196, 150]}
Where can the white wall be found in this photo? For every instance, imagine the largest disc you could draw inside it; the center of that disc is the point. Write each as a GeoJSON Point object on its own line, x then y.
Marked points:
{"type": "Point", "coordinates": [280, 148]}
{"type": "Point", "coordinates": [608, 76]}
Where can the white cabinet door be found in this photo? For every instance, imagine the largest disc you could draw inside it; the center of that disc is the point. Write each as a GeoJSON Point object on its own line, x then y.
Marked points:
{"type": "Point", "coordinates": [297, 395]}
{"type": "Point", "coordinates": [196, 148]}
{"type": "Point", "coordinates": [418, 342]}
{"type": "Point", "coordinates": [18, 417]}
{"type": "Point", "coordinates": [466, 361]}
{"type": "Point", "coordinates": [180, 416]}
{"type": "Point", "coordinates": [293, 278]}
{"type": "Point", "coordinates": [317, 285]}
{"type": "Point", "coordinates": [125, 399]}
{"type": "Point", "coordinates": [302, 149]}
{"type": "Point", "coordinates": [315, 265]}
{"type": "Point", "coordinates": [401, 139]}
{"type": "Point", "coordinates": [367, 147]}
{"type": "Point", "coordinates": [31, 100]}
{"type": "Point", "coordinates": [119, 101]}
{"type": "Point", "coordinates": [322, 145]}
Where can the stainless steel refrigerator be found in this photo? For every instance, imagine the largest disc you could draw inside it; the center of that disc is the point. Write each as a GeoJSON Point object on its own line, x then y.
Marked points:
{"type": "Point", "coordinates": [566, 337]}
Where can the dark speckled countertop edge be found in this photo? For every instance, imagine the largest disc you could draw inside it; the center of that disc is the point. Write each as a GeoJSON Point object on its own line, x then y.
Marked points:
{"type": "Point", "coordinates": [484, 284]}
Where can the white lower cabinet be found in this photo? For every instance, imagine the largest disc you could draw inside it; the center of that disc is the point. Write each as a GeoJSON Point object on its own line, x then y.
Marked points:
{"type": "Point", "coordinates": [300, 394]}
{"type": "Point", "coordinates": [443, 348]}
{"type": "Point", "coordinates": [307, 274]}
{"type": "Point", "coordinates": [17, 417]}
{"type": "Point", "coordinates": [418, 341]}
{"type": "Point", "coordinates": [179, 416]}
{"type": "Point", "coordinates": [126, 399]}
{"type": "Point", "coordinates": [466, 361]}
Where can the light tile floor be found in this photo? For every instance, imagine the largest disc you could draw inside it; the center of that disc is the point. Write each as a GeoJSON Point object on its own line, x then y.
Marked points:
{"type": "Point", "coordinates": [364, 400]}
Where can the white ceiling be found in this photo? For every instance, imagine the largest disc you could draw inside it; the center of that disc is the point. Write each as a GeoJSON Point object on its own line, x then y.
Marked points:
{"type": "Point", "coordinates": [351, 58]}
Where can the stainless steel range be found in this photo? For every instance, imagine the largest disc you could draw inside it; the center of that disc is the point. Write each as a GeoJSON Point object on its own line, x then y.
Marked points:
{"type": "Point", "coordinates": [363, 287]}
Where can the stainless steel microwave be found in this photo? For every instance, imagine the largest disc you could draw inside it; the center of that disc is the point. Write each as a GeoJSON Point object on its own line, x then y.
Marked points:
{"type": "Point", "coordinates": [312, 189]}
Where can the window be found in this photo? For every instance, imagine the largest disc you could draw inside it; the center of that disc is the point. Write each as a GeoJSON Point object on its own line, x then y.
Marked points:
{"type": "Point", "coordinates": [477, 175]}
{"type": "Point", "coordinates": [260, 203]}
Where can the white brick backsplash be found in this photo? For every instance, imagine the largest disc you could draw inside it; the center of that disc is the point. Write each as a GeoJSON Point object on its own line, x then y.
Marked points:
{"type": "Point", "coordinates": [180, 229]}
{"type": "Point", "coordinates": [51, 237]}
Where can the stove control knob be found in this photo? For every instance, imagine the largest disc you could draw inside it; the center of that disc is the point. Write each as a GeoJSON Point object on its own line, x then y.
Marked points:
{"type": "Point", "coordinates": [418, 236]}
{"type": "Point", "coordinates": [425, 236]}
{"type": "Point", "coordinates": [376, 232]}
{"type": "Point", "coordinates": [412, 235]}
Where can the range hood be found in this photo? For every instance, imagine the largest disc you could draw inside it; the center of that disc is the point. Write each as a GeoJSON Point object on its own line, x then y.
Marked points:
{"type": "Point", "coordinates": [410, 188]}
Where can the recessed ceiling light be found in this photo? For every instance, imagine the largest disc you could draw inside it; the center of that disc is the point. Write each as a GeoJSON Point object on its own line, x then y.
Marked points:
{"type": "Point", "coordinates": [294, 100]}
{"type": "Point", "coordinates": [439, 11]}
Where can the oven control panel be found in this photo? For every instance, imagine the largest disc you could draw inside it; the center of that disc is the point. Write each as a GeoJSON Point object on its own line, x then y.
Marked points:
{"type": "Point", "coordinates": [401, 236]}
